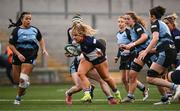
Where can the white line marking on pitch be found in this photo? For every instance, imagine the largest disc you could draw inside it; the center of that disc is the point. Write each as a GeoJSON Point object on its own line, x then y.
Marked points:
{"type": "Point", "coordinates": [51, 100]}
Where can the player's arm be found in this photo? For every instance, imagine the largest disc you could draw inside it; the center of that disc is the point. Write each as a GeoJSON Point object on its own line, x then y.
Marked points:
{"type": "Point", "coordinates": [12, 43]}
{"type": "Point", "coordinates": [41, 42]}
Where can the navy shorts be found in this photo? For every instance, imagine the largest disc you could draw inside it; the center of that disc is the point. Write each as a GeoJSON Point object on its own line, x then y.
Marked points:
{"type": "Point", "coordinates": [166, 58]}
{"type": "Point", "coordinates": [125, 62]}
{"type": "Point", "coordinates": [175, 77]}
{"type": "Point", "coordinates": [29, 54]}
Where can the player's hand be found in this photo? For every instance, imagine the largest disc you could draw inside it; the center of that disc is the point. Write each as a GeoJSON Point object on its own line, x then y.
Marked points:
{"type": "Point", "coordinates": [21, 58]}
{"type": "Point", "coordinates": [116, 59]}
{"type": "Point", "coordinates": [142, 55]}
{"type": "Point", "coordinates": [99, 53]}
{"type": "Point", "coordinates": [68, 54]}
{"type": "Point", "coordinates": [45, 52]}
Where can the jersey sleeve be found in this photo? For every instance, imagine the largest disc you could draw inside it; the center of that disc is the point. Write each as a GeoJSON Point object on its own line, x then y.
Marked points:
{"type": "Point", "coordinates": [39, 35]}
{"type": "Point", "coordinates": [139, 29]}
{"type": "Point", "coordinates": [155, 26]}
{"type": "Point", "coordinates": [69, 36]}
{"type": "Point", "coordinates": [99, 45]}
{"type": "Point", "coordinates": [14, 36]}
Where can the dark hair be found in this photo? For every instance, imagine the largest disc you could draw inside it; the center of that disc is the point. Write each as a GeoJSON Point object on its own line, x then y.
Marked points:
{"type": "Point", "coordinates": [77, 17]}
{"type": "Point", "coordinates": [18, 22]}
{"type": "Point", "coordinates": [158, 11]}
{"type": "Point", "coordinates": [137, 19]}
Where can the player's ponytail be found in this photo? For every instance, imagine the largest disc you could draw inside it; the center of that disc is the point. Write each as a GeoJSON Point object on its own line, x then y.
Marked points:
{"type": "Point", "coordinates": [18, 22]}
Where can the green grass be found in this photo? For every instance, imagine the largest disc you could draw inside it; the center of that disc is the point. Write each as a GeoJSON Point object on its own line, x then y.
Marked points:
{"type": "Point", "coordinates": [51, 98]}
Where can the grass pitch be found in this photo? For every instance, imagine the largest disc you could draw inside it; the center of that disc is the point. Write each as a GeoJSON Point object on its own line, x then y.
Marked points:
{"type": "Point", "coordinates": [51, 98]}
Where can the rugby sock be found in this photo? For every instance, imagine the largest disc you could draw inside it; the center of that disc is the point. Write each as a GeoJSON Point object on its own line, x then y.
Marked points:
{"type": "Point", "coordinates": [164, 98]}
{"type": "Point", "coordinates": [68, 92]}
{"type": "Point", "coordinates": [114, 90]}
{"type": "Point", "coordinates": [18, 98]}
{"type": "Point", "coordinates": [87, 90]}
{"type": "Point", "coordinates": [173, 86]}
{"type": "Point", "coordinates": [109, 97]}
{"type": "Point", "coordinates": [130, 95]}
{"type": "Point", "coordinates": [141, 87]}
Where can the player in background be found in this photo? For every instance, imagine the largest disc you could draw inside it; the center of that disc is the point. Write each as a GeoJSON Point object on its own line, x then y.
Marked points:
{"type": "Point", "coordinates": [140, 41]}
{"type": "Point", "coordinates": [127, 56]}
{"type": "Point", "coordinates": [170, 20]}
{"type": "Point", "coordinates": [24, 42]}
{"type": "Point", "coordinates": [164, 46]}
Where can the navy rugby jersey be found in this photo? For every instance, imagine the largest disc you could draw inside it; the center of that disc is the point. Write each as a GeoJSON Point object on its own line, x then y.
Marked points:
{"type": "Point", "coordinates": [164, 33]}
{"type": "Point", "coordinates": [136, 32]}
{"type": "Point", "coordinates": [69, 36]}
{"type": "Point", "coordinates": [90, 46]}
{"type": "Point", "coordinates": [176, 38]}
{"type": "Point", "coordinates": [25, 38]}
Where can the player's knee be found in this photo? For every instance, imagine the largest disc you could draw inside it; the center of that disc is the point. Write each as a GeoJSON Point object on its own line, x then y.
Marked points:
{"type": "Point", "coordinates": [106, 79]}
{"type": "Point", "coordinates": [151, 74]}
{"type": "Point", "coordinates": [132, 77]}
{"type": "Point", "coordinates": [136, 67]}
{"type": "Point", "coordinates": [78, 85]}
{"type": "Point", "coordinates": [81, 75]}
{"type": "Point", "coordinates": [102, 82]}
{"type": "Point", "coordinates": [24, 81]}
{"type": "Point", "coordinates": [150, 80]}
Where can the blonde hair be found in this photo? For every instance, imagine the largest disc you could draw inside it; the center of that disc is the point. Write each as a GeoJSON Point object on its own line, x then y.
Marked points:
{"type": "Point", "coordinates": [122, 16]}
{"type": "Point", "coordinates": [83, 29]}
{"type": "Point", "coordinates": [172, 19]}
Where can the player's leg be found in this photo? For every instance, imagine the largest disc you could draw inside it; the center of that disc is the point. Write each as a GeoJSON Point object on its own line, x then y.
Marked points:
{"type": "Point", "coordinates": [16, 73]}
{"type": "Point", "coordinates": [154, 72]}
{"type": "Point", "coordinates": [164, 96]}
{"type": "Point", "coordinates": [24, 82]}
{"type": "Point", "coordinates": [93, 74]}
{"type": "Point", "coordinates": [74, 89]}
{"type": "Point", "coordinates": [103, 71]}
{"type": "Point", "coordinates": [83, 69]}
{"type": "Point", "coordinates": [125, 78]}
{"type": "Point", "coordinates": [143, 89]}
{"type": "Point", "coordinates": [77, 87]}
{"type": "Point", "coordinates": [135, 69]}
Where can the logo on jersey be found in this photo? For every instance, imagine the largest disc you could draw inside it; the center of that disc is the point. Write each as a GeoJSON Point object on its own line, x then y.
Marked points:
{"type": "Point", "coordinates": [172, 46]}
{"type": "Point", "coordinates": [139, 29]}
{"type": "Point", "coordinates": [177, 37]}
{"type": "Point", "coordinates": [153, 26]}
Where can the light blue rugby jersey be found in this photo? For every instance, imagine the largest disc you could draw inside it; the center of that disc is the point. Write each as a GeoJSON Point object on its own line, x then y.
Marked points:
{"type": "Point", "coordinates": [26, 38]}
{"type": "Point", "coordinates": [161, 27]}
{"type": "Point", "coordinates": [164, 32]}
{"type": "Point", "coordinates": [136, 32]}
{"type": "Point", "coordinates": [122, 38]}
